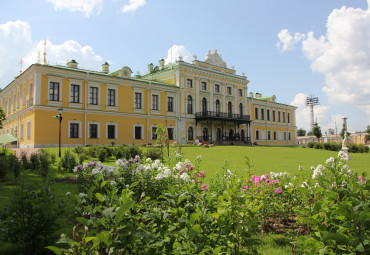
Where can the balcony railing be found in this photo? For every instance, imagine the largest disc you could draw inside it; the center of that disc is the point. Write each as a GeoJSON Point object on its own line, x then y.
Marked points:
{"type": "Point", "coordinates": [221, 116]}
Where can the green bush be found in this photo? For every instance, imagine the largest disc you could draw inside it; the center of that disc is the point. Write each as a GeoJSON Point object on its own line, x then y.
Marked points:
{"type": "Point", "coordinates": [24, 160]}
{"type": "Point", "coordinates": [102, 153]}
{"type": "Point", "coordinates": [44, 162]}
{"type": "Point", "coordinates": [91, 151]}
{"type": "Point", "coordinates": [317, 146]}
{"type": "Point", "coordinates": [68, 161]}
{"type": "Point", "coordinates": [133, 151]}
{"type": "Point", "coordinates": [3, 164]}
{"type": "Point", "coordinates": [121, 152]}
{"type": "Point", "coordinates": [30, 219]}
{"type": "Point", "coordinates": [34, 160]}
{"type": "Point", "coordinates": [154, 153]}
{"type": "Point", "coordinates": [310, 144]}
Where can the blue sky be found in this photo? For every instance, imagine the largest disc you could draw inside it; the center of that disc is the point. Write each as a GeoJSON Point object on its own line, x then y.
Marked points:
{"type": "Point", "coordinates": [287, 48]}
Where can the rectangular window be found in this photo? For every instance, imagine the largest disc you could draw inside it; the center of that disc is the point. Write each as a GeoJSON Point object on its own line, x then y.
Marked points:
{"type": "Point", "coordinates": [256, 113]}
{"type": "Point", "coordinates": [22, 131]}
{"type": "Point", "coordinates": [137, 100]}
{"type": "Point", "coordinates": [269, 135]}
{"type": "Point", "coordinates": [170, 133]}
{"type": "Point", "coordinates": [75, 94]}
{"type": "Point", "coordinates": [138, 132]}
{"type": "Point", "coordinates": [279, 119]}
{"type": "Point", "coordinates": [111, 97]}
{"type": "Point", "coordinates": [189, 83]}
{"type": "Point", "coordinates": [240, 92]}
{"type": "Point", "coordinates": [54, 91]}
{"type": "Point", "coordinates": [93, 97]}
{"type": "Point", "coordinates": [170, 104]}
{"type": "Point", "coordinates": [257, 134]}
{"type": "Point", "coordinates": [30, 100]}
{"type": "Point", "coordinates": [290, 136]}
{"type": "Point", "coordinates": [204, 85]}
{"type": "Point", "coordinates": [262, 114]}
{"type": "Point", "coordinates": [273, 116]}
{"type": "Point", "coordinates": [28, 130]}
{"type": "Point", "coordinates": [93, 131]}
{"type": "Point", "coordinates": [24, 96]}
{"type": "Point", "coordinates": [111, 131]}
{"type": "Point", "coordinates": [154, 135]}
{"type": "Point", "coordinates": [155, 104]}
{"type": "Point", "coordinates": [289, 118]}
{"type": "Point", "coordinates": [268, 114]}
{"type": "Point", "coordinates": [275, 136]}
{"type": "Point", "coordinates": [73, 130]}
{"type": "Point", "coordinates": [217, 88]}
{"type": "Point", "coordinates": [284, 117]}
{"type": "Point", "coordinates": [284, 136]}
{"type": "Point", "coordinates": [229, 91]}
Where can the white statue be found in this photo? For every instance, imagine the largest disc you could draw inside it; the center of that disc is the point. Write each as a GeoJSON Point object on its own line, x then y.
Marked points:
{"type": "Point", "coordinates": [345, 140]}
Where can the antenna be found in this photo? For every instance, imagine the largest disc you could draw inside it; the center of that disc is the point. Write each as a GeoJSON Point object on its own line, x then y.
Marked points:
{"type": "Point", "coordinates": [20, 66]}
{"type": "Point", "coordinates": [44, 61]}
{"type": "Point", "coordinates": [311, 101]}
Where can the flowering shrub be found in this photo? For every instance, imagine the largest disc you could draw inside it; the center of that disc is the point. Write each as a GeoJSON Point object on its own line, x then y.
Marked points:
{"type": "Point", "coordinates": [155, 208]}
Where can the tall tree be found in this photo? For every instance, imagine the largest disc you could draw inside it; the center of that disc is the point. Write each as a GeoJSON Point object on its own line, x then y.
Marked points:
{"type": "Point", "coordinates": [344, 130]}
{"type": "Point", "coordinates": [301, 132]}
{"type": "Point", "coordinates": [316, 131]}
{"type": "Point", "coordinates": [2, 117]}
{"type": "Point", "coordinates": [367, 137]}
{"type": "Point", "coordinates": [331, 131]}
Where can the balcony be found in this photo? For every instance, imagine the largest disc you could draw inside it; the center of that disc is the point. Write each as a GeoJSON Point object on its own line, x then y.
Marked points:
{"type": "Point", "coordinates": [224, 116]}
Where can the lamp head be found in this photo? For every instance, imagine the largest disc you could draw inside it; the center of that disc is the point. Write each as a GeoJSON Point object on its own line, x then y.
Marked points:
{"type": "Point", "coordinates": [60, 110]}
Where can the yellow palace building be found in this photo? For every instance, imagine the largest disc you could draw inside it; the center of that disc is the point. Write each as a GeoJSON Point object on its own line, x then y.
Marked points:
{"type": "Point", "coordinates": [201, 100]}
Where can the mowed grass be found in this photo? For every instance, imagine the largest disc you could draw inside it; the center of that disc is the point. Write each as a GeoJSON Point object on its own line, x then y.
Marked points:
{"type": "Point", "coordinates": [268, 159]}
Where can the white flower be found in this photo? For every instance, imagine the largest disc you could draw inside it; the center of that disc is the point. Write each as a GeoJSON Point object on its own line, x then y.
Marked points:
{"type": "Point", "coordinates": [95, 171]}
{"type": "Point", "coordinates": [75, 169]}
{"type": "Point", "coordinates": [317, 172]}
{"type": "Point", "coordinates": [127, 185]}
{"type": "Point", "coordinates": [187, 161]}
{"type": "Point", "coordinates": [300, 168]}
{"type": "Point", "coordinates": [199, 157]}
{"type": "Point", "coordinates": [330, 160]}
{"type": "Point", "coordinates": [140, 168]}
{"type": "Point", "coordinates": [122, 163]}
{"type": "Point", "coordinates": [157, 161]}
{"type": "Point", "coordinates": [304, 185]}
{"type": "Point", "coordinates": [113, 183]}
{"type": "Point", "coordinates": [68, 193]}
{"type": "Point", "coordinates": [147, 168]}
{"type": "Point", "coordinates": [159, 176]}
{"type": "Point", "coordinates": [85, 165]}
{"type": "Point", "coordinates": [148, 160]}
{"type": "Point", "coordinates": [83, 201]}
{"type": "Point", "coordinates": [154, 165]}
{"type": "Point", "coordinates": [180, 166]}
{"type": "Point", "coordinates": [167, 172]}
{"type": "Point", "coordinates": [317, 185]}
{"type": "Point", "coordinates": [185, 177]}
{"type": "Point", "coordinates": [82, 195]}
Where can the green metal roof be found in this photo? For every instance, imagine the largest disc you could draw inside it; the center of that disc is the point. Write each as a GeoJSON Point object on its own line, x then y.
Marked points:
{"type": "Point", "coordinates": [7, 138]}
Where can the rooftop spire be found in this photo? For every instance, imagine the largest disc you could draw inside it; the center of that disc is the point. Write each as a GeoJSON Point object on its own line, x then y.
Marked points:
{"type": "Point", "coordinates": [44, 61]}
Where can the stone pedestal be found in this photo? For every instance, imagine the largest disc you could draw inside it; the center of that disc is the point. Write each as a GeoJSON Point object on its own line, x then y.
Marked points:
{"type": "Point", "coordinates": [344, 150]}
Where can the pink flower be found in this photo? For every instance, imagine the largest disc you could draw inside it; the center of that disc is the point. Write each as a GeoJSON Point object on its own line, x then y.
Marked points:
{"type": "Point", "coordinates": [241, 206]}
{"type": "Point", "coordinates": [266, 176]}
{"type": "Point", "coordinates": [275, 181]}
{"type": "Point", "coordinates": [268, 181]}
{"type": "Point", "coordinates": [245, 187]}
{"type": "Point", "coordinates": [204, 187]}
{"type": "Point", "coordinates": [278, 190]}
{"type": "Point", "coordinates": [361, 179]}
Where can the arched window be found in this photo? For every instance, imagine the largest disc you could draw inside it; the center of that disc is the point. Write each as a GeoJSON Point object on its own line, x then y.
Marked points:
{"type": "Point", "coordinates": [218, 134]}
{"type": "Point", "coordinates": [205, 134]}
{"type": "Point", "coordinates": [231, 133]}
{"type": "Point", "coordinates": [190, 105]}
{"type": "Point", "coordinates": [229, 108]}
{"type": "Point", "coordinates": [204, 105]}
{"type": "Point", "coordinates": [190, 133]}
{"type": "Point", "coordinates": [241, 110]}
{"type": "Point", "coordinates": [218, 107]}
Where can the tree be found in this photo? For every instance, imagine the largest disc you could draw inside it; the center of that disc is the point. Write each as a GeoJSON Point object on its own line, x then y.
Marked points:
{"type": "Point", "coordinates": [309, 133]}
{"type": "Point", "coordinates": [331, 131]}
{"type": "Point", "coordinates": [367, 137]}
{"type": "Point", "coordinates": [301, 132]}
{"type": "Point", "coordinates": [316, 131]}
{"type": "Point", "coordinates": [344, 130]}
{"type": "Point", "coordinates": [2, 117]}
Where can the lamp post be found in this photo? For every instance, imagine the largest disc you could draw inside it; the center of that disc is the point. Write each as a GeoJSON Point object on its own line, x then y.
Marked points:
{"type": "Point", "coordinates": [60, 110]}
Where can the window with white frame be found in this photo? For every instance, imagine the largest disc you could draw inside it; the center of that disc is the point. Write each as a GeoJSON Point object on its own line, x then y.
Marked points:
{"type": "Point", "coordinates": [268, 114]}
{"type": "Point", "coordinates": [275, 135]}
{"type": "Point", "coordinates": [30, 97]}
{"type": "Point", "coordinates": [170, 102]}
{"type": "Point", "coordinates": [138, 132]}
{"type": "Point", "coordinates": [22, 131]}
{"type": "Point", "coordinates": [190, 104]}
{"type": "Point", "coordinates": [204, 85]}
{"type": "Point", "coordinates": [257, 134]}
{"type": "Point", "coordinates": [190, 133]}
{"type": "Point", "coordinates": [189, 83]}
{"type": "Point", "coordinates": [111, 130]}
{"type": "Point", "coordinates": [93, 95]}
{"type": "Point", "coordinates": [290, 136]}
{"type": "Point", "coordinates": [262, 114]}
{"type": "Point", "coordinates": [138, 99]}
{"type": "Point", "coordinates": [284, 118]}
{"type": "Point", "coordinates": [154, 133]}
{"type": "Point", "coordinates": [279, 115]}
{"type": "Point", "coordinates": [155, 102]}
{"type": "Point", "coordinates": [74, 93]}
{"type": "Point", "coordinates": [94, 130]}
{"type": "Point", "coordinates": [111, 100]}
{"type": "Point", "coordinates": [273, 115]}
{"type": "Point", "coordinates": [269, 135]}
{"type": "Point", "coordinates": [285, 136]}
{"type": "Point", "coordinates": [24, 95]}
{"type": "Point", "coordinates": [74, 130]}
{"type": "Point", "coordinates": [18, 99]}
{"type": "Point", "coordinates": [288, 117]}
{"type": "Point", "coordinates": [256, 113]}
{"type": "Point", "coordinates": [14, 101]}
{"type": "Point", "coordinates": [240, 93]}
{"type": "Point", "coordinates": [54, 91]}
{"type": "Point", "coordinates": [170, 133]}
{"type": "Point", "coordinates": [229, 90]}
{"type": "Point", "coordinates": [217, 88]}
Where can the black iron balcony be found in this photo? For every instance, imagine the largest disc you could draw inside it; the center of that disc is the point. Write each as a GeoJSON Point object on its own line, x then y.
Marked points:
{"type": "Point", "coordinates": [211, 115]}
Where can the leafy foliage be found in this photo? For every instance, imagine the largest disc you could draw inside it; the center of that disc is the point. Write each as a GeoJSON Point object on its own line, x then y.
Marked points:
{"type": "Point", "coordinates": [301, 132]}
{"type": "Point", "coordinates": [68, 161]}
{"type": "Point", "coordinates": [316, 130]}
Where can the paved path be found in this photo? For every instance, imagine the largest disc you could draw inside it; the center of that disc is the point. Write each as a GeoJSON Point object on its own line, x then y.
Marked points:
{"type": "Point", "coordinates": [28, 151]}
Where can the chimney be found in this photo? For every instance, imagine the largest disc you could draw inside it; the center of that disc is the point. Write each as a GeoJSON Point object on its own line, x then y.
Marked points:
{"type": "Point", "coordinates": [150, 68]}
{"type": "Point", "coordinates": [105, 67]}
{"type": "Point", "coordinates": [161, 64]}
{"type": "Point", "coordinates": [72, 64]}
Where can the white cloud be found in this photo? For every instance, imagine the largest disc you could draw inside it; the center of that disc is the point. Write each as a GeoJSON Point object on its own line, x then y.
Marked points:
{"type": "Point", "coordinates": [87, 7]}
{"type": "Point", "coordinates": [16, 43]}
{"type": "Point", "coordinates": [178, 50]}
{"type": "Point", "coordinates": [342, 55]}
{"type": "Point", "coordinates": [133, 5]}
{"type": "Point", "coordinates": [288, 41]}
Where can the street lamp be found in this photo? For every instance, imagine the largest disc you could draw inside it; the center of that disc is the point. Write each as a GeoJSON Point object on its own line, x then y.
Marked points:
{"type": "Point", "coordinates": [60, 110]}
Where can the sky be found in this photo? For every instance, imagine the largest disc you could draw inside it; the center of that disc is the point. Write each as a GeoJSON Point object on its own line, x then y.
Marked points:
{"type": "Point", "coordinates": [287, 48]}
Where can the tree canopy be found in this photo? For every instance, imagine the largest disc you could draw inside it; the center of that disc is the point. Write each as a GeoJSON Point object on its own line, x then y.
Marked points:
{"type": "Point", "coordinates": [316, 131]}
{"type": "Point", "coordinates": [301, 132]}
{"type": "Point", "coordinates": [2, 117]}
